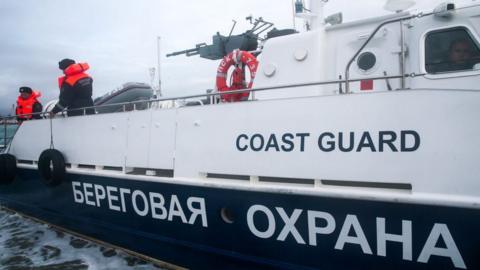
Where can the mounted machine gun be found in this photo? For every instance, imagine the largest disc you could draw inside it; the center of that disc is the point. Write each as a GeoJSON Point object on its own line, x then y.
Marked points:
{"type": "Point", "coordinates": [239, 52]}
{"type": "Point", "coordinates": [223, 45]}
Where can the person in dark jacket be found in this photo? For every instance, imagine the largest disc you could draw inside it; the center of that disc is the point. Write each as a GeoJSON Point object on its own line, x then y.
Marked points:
{"type": "Point", "coordinates": [28, 104]}
{"type": "Point", "coordinates": [75, 89]}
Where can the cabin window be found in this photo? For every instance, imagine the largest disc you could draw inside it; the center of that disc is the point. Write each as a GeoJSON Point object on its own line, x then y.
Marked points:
{"type": "Point", "coordinates": [366, 61]}
{"type": "Point", "coordinates": [451, 50]}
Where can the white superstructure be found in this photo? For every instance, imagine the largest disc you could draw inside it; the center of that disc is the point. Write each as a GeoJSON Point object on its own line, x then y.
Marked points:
{"type": "Point", "coordinates": [370, 126]}
{"type": "Point", "coordinates": [296, 132]}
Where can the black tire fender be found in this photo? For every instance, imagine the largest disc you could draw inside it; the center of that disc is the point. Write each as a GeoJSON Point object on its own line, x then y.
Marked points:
{"type": "Point", "coordinates": [51, 166]}
{"type": "Point", "coordinates": [8, 168]}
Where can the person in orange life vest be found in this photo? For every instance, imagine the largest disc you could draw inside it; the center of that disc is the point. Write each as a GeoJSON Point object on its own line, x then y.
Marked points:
{"type": "Point", "coordinates": [27, 103]}
{"type": "Point", "coordinates": [75, 89]}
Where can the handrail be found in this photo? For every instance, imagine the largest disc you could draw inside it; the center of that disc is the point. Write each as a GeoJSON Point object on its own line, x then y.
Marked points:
{"type": "Point", "coordinates": [370, 37]}
{"type": "Point", "coordinates": [5, 140]}
{"type": "Point", "coordinates": [216, 94]}
{"type": "Point", "coordinates": [269, 88]}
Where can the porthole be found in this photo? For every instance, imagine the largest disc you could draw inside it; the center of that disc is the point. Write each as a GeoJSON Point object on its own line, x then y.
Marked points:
{"type": "Point", "coordinates": [227, 215]}
{"type": "Point", "coordinates": [366, 61]}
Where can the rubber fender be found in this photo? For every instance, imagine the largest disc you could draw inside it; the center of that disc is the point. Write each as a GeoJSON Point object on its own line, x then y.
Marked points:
{"type": "Point", "coordinates": [51, 166]}
{"type": "Point", "coordinates": [8, 168]}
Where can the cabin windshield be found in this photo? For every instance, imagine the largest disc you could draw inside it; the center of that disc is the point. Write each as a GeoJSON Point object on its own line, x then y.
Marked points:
{"type": "Point", "coordinates": [451, 50]}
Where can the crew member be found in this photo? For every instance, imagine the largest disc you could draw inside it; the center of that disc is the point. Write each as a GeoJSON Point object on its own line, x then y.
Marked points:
{"type": "Point", "coordinates": [75, 89]}
{"type": "Point", "coordinates": [27, 103]}
{"type": "Point", "coordinates": [460, 55]}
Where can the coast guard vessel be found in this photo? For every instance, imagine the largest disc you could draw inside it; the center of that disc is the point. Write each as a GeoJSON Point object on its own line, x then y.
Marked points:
{"type": "Point", "coordinates": [347, 146]}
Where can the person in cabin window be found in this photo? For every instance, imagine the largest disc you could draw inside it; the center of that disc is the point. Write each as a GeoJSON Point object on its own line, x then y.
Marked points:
{"type": "Point", "coordinates": [75, 89]}
{"type": "Point", "coordinates": [28, 104]}
{"type": "Point", "coordinates": [460, 56]}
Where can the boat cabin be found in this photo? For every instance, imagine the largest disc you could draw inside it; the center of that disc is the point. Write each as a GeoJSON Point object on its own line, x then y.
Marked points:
{"type": "Point", "coordinates": [441, 49]}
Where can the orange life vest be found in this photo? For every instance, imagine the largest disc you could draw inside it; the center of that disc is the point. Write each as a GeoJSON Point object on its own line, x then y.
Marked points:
{"type": "Point", "coordinates": [25, 106]}
{"type": "Point", "coordinates": [73, 73]}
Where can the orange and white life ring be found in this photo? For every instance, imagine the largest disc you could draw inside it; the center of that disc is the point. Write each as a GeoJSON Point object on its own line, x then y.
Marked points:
{"type": "Point", "coordinates": [236, 58]}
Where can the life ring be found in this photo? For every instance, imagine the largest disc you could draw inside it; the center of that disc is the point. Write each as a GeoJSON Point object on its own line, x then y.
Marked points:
{"type": "Point", "coordinates": [8, 168]}
{"type": "Point", "coordinates": [236, 57]}
{"type": "Point", "coordinates": [51, 165]}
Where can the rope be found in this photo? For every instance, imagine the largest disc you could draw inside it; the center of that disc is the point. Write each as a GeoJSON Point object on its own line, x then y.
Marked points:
{"type": "Point", "coordinates": [51, 134]}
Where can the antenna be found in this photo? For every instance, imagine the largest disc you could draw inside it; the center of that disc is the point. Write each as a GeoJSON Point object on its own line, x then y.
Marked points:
{"type": "Point", "coordinates": [293, 14]}
{"type": "Point", "coordinates": [159, 90]}
{"type": "Point", "coordinates": [233, 27]}
{"type": "Point", "coordinates": [398, 5]}
{"type": "Point", "coordinates": [152, 75]}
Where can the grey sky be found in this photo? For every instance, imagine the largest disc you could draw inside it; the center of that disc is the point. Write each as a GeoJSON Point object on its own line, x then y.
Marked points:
{"type": "Point", "coordinates": [118, 39]}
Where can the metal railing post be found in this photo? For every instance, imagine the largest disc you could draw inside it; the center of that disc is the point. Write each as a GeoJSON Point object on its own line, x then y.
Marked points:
{"type": "Point", "coordinates": [402, 55]}
{"type": "Point", "coordinates": [347, 69]}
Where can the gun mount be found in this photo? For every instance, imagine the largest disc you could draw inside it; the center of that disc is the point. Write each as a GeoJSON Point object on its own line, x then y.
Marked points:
{"type": "Point", "coordinates": [223, 45]}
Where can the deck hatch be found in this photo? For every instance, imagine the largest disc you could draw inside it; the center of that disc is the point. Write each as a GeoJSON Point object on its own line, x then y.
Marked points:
{"type": "Point", "coordinates": [86, 166]}
{"type": "Point", "coordinates": [285, 180]}
{"type": "Point", "coordinates": [401, 186]}
{"type": "Point", "coordinates": [228, 176]}
{"type": "Point", "coordinates": [22, 161]}
{"type": "Point", "coordinates": [149, 171]}
{"type": "Point", "coordinates": [113, 168]}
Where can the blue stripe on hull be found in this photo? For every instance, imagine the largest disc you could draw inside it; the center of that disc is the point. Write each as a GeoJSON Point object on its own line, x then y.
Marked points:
{"type": "Point", "coordinates": [222, 245]}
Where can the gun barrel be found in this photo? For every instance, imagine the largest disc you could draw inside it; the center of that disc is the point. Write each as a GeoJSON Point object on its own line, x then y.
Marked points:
{"type": "Point", "coordinates": [188, 52]}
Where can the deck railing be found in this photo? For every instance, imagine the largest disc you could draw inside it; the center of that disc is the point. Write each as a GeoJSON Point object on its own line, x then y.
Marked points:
{"type": "Point", "coordinates": [6, 137]}
{"type": "Point", "coordinates": [147, 104]}
{"type": "Point", "coordinates": [133, 105]}
{"type": "Point", "coordinates": [370, 37]}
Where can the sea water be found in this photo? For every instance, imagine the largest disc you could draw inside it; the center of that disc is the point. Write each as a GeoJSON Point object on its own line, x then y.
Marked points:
{"type": "Point", "coordinates": [25, 244]}
{"type": "Point", "coordinates": [28, 245]}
